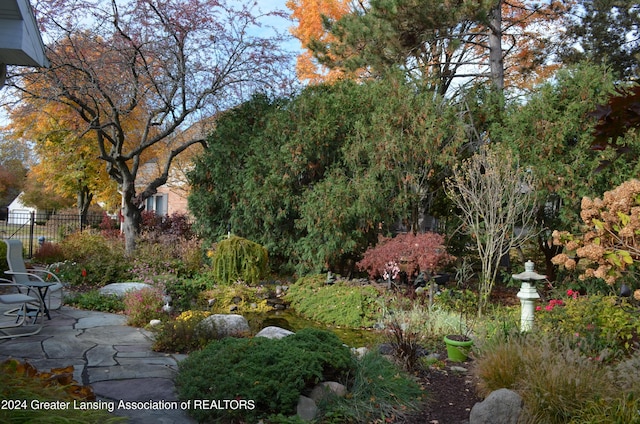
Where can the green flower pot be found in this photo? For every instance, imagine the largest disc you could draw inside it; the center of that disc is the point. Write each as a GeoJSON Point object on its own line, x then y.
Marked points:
{"type": "Point", "coordinates": [458, 350]}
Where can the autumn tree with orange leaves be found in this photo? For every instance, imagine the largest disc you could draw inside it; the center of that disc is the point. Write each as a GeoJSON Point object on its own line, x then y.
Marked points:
{"type": "Point", "coordinates": [67, 164]}
{"type": "Point", "coordinates": [310, 15]}
{"type": "Point", "coordinates": [437, 42]}
{"type": "Point", "coordinates": [14, 162]}
{"type": "Point", "coordinates": [137, 74]}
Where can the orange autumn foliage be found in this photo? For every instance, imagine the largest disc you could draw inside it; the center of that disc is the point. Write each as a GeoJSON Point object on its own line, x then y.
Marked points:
{"type": "Point", "coordinates": [309, 14]}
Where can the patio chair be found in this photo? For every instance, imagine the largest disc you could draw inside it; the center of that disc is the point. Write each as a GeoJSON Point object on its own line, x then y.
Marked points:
{"type": "Point", "coordinates": [44, 282]}
{"type": "Point", "coordinates": [22, 319]}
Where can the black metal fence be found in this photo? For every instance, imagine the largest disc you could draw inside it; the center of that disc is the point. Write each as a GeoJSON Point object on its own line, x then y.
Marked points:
{"type": "Point", "coordinates": [37, 227]}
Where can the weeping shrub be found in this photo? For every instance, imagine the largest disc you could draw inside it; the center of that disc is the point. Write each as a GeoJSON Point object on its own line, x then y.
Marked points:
{"type": "Point", "coordinates": [237, 258]}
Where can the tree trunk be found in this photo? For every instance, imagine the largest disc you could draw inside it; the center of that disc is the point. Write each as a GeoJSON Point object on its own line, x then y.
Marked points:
{"type": "Point", "coordinates": [132, 217]}
{"type": "Point", "coordinates": [549, 251]}
{"type": "Point", "coordinates": [84, 201]}
{"type": "Point", "coordinates": [495, 47]}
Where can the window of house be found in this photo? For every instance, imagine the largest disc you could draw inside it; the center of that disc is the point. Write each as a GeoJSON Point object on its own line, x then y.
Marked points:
{"type": "Point", "coordinates": [158, 204]}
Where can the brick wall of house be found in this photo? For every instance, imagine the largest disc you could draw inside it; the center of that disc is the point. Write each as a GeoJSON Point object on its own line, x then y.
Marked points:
{"type": "Point", "coordinates": [176, 200]}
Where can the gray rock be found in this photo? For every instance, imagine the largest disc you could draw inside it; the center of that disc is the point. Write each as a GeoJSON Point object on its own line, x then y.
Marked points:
{"type": "Point", "coordinates": [360, 352]}
{"type": "Point", "coordinates": [225, 325]}
{"type": "Point", "coordinates": [306, 409]}
{"type": "Point", "coordinates": [119, 289]}
{"type": "Point", "coordinates": [459, 369]}
{"type": "Point", "coordinates": [502, 406]}
{"type": "Point", "coordinates": [273, 332]}
{"type": "Point", "coordinates": [326, 389]}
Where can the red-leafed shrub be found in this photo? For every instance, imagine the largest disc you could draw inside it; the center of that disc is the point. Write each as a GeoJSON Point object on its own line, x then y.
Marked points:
{"type": "Point", "coordinates": [413, 253]}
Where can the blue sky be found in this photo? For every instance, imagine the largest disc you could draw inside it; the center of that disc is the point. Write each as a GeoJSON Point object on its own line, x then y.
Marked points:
{"type": "Point", "coordinates": [281, 24]}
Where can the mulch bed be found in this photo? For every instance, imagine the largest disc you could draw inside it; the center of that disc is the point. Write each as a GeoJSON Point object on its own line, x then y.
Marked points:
{"type": "Point", "coordinates": [451, 394]}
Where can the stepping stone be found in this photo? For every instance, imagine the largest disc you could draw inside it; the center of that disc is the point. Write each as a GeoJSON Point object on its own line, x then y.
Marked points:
{"type": "Point", "coordinates": [101, 320]}
{"type": "Point", "coordinates": [67, 347]}
{"type": "Point", "coordinates": [140, 389]}
{"type": "Point", "coordinates": [101, 356]}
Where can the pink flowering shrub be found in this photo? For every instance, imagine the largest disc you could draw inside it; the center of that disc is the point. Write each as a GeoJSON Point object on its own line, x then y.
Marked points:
{"type": "Point", "coordinates": [558, 302]}
{"type": "Point", "coordinates": [141, 306]}
{"type": "Point", "coordinates": [551, 305]}
{"type": "Point", "coordinates": [415, 253]}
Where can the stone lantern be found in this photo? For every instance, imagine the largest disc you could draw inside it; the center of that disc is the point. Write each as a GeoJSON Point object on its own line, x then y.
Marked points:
{"type": "Point", "coordinates": [527, 294]}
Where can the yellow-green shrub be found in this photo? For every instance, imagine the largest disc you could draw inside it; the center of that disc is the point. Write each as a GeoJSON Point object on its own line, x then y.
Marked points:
{"type": "Point", "coordinates": [237, 258]}
{"type": "Point", "coordinates": [341, 303]}
{"type": "Point", "coordinates": [238, 295]}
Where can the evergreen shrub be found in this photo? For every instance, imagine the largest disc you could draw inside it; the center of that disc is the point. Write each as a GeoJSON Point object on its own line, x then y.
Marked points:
{"type": "Point", "coordinates": [237, 258]}
{"type": "Point", "coordinates": [342, 303]}
{"type": "Point", "coordinates": [271, 372]}
{"type": "Point", "coordinates": [185, 292]}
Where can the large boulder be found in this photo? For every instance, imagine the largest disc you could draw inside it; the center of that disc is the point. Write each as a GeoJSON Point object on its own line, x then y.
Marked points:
{"type": "Point", "coordinates": [225, 325]}
{"type": "Point", "coordinates": [273, 332]}
{"type": "Point", "coordinates": [327, 389]}
{"type": "Point", "coordinates": [120, 289]}
{"type": "Point", "coordinates": [307, 408]}
{"type": "Point", "coordinates": [502, 406]}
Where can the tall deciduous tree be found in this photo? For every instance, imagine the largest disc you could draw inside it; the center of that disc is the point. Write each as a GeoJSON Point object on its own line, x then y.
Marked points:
{"type": "Point", "coordinates": [38, 195]}
{"type": "Point", "coordinates": [310, 15]}
{"type": "Point", "coordinates": [494, 195]}
{"type": "Point", "coordinates": [15, 159]}
{"type": "Point", "coordinates": [438, 42]}
{"type": "Point", "coordinates": [166, 63]}
{"type": "Point", "coordinates": [67, 164]}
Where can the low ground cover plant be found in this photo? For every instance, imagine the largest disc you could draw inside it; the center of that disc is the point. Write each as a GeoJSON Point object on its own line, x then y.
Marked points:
{"type": "Point", "coordinates": [343, 303]}
{"type": "Point", "coordinates": [271, 372]}
{"type": "Point", "coordinates": [238, 297]}
{"type": "Point", "coordinates": [95, 301]}
{"type": "Point", "coordinates": [274, 373]}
